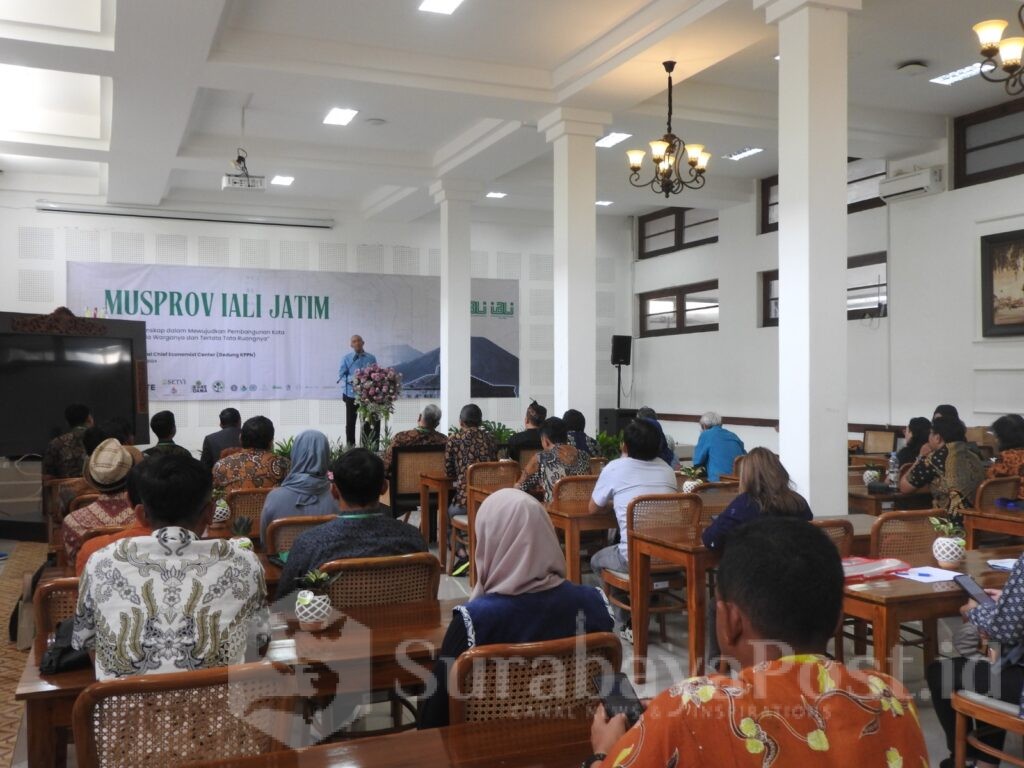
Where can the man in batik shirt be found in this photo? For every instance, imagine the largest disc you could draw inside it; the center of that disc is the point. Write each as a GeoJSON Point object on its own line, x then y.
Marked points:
{"type": "Point", "coordinates": [65, 456]}
{"type": "Point", "coordinates": [471, 444]}
{"type": "Point", "coordinates": [255, 466]}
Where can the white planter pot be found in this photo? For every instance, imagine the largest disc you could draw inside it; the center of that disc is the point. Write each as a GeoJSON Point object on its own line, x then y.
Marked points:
{"type": "Point", "coordinates": [312, 611]}
{"type": "Point", "coordinates": [691, 486]}
{"type": "Point", "coordinates": [872, 476]}
{"type": "Point", "coordinates": [221, 512]}
{"type": "Point", "coordinates": [948, 552]}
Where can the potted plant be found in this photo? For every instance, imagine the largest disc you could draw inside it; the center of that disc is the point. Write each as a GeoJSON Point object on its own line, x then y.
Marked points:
{"type": "Point", "coordinates": [872, 473]}
{"type": "Point", "coordinates": [283, 448]}
{"type": "Point", "coordinates": [221, 510]}
{"type": "Point", "coordinates": [949, 548]}
{"type": "Point", "coordinates": [694, 477]}
{"type": "Point", "coordinates": [610, 446]}
{"type": "Point", "coordinates": [240, 528]}
{"type": "Point", "coordinates": [312, 604]}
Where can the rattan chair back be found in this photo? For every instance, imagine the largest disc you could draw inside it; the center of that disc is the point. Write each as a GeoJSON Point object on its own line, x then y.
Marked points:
{"type": "Point", "coordinates": [996, 488]}
{"type": "Point", "coordinates": [905, 535]}
{"type": "Point", "coordinates": [573, 491]}
{"type": "Point", "coordinates": [840, 532]}
{"type": "Point", "coordinates": [681, 511]}
{"type": "Point", "coordinates": [407, 464]}
{"type": "Point", "coordinates": [551, 679]}
{"type": "Point", "coordinates": [879, 441]}
{"type": "Point", "coordinates": [248, 503]}
{"type": "Point", "coordinates": [492, 474]}
{"type": "Point", "coordinates": [383, 580]}
{"type": "Point", "coordinates": [54, 600]}
{"type": "Point", "coordinates": [82, 500]}
{"type": "Point", "coordinates": [283, 532]}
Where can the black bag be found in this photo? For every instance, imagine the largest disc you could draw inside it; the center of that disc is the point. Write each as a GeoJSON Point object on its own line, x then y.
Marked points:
{"type": "Point", "coordinates": [60, 656]}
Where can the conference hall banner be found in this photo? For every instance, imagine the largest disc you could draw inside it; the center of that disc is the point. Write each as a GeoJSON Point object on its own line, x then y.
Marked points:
{"type": "Point", "coordinates": [240, 334]}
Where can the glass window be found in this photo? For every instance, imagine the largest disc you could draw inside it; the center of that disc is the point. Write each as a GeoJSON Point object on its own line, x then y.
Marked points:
{"type": "Point", "coordinates": [866, 290]}
{"type": "Point", "coordinates": [683, 309]}
{"type": "Point", "coordinates": [673, 229]}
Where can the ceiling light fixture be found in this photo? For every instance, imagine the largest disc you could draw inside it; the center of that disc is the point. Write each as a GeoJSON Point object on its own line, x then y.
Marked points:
{"type": "Point", "coordinates": [669, 154]}
{"type": "Point", "coordinates": [283, 181]}
{"type": "Point", "coordinates": [446, 7]}
{"type": "Point", "coordinates": [743, 153]}
{"type": "Point", "coordinates": [497, 195]}
{"type": "Point", "coordinates": [1009, 50]}
{"type": "Point", "coordinates": [611, 140]}
{"type": "Point", "coordinates": [340, 116]}
{"type": "Point", "coordinates": [604, 203]}
{"type": "Point", "coordinates": [964, 73]}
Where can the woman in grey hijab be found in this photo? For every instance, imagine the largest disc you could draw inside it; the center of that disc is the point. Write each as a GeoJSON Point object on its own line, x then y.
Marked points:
{"type": "Point", "coordinates": [306, 490]}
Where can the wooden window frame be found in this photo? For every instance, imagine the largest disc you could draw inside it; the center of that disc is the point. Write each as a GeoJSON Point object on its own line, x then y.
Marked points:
{"type": "Point", "coordinates": [770, 181]}
{"type": "Point", "coordinates": [863, 260]}
{"type": "Point", "coordinates": [679, 228]}
{"type": "Point", "coordinates": [767, 321]}
{"type": "Point", "coordinates": [679, 293]}
{"type": "Point", "coordinates": [961, 178]}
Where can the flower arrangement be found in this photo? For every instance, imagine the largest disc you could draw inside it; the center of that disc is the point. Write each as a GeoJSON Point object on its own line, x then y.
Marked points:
{"type": "Point", "coordinates": [376, 390]}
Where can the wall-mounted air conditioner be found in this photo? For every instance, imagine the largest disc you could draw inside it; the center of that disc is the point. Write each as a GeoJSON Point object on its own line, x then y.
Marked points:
{"type": "Point", "coordinates": [926, 182]}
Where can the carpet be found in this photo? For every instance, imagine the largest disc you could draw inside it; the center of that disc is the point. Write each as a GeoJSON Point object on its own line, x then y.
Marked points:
{"type": "Point", "coordinates": [26, 557]}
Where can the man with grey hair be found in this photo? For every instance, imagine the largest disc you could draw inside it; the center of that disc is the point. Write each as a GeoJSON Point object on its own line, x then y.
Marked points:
{"type": "Point", "coordinates": [350, 363]}
{"type": "Point", "coordinates": [425, 433]}
{"type": "Point", "coordinates": [717, 447]}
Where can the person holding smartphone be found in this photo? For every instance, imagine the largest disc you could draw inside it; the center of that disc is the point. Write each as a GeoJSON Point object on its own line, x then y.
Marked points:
{"type": "Point", "coordinates": [1001, 621]}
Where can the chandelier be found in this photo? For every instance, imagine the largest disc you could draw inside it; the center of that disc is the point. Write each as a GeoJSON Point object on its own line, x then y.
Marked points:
{"type": "Point", "coordinates": [670, 156]}
{"type": "Point", "coordinates": [1008, 49]}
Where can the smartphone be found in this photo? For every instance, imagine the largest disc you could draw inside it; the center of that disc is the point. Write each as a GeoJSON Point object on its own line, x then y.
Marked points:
{"type": "Point", "coordinates": [618, 697]}
{"type": "Point", "coordinates": [973, 589]}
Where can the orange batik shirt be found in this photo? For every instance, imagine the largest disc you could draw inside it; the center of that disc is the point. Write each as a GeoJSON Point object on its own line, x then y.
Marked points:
{"type": "Point", "coordinates": [796, 712]}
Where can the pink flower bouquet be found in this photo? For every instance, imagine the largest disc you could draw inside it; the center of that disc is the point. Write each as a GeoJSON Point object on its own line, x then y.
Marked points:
{"type": "Point", "coordinates": [376, 390]}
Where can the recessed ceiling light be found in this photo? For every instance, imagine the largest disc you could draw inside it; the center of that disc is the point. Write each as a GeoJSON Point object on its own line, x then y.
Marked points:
{"type": "Point", "coordinates": [964, 73]}
{"type": "Point", "coordinates": [340, 116]}
{"type": "Point", "coordinates": [440, 6]}
{"type": "Point", "coordinates": [603, 203]}
{"type": "Point", "coordinates": [497, 195]}
{"type": "Point", "coordinates": [283, 181]}
{"type": "Point", "coordinates": [612, 139]}
{"type": "Point", "coordinates": [742, 153]}
{"type": "Point", "coordinates": [777, 57]}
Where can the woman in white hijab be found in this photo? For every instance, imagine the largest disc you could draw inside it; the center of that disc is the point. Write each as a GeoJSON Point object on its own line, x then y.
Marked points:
{"type": "Point", "coordinates": [521, 595]}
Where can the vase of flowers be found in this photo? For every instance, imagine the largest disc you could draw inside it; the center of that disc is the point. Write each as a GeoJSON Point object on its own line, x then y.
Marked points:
{"type": "Point", "coordinates": [312, 603]}
{"type": "Point", "coordinates": [949, 548]}
{"type": "Point", "coordinates": [376, 390]}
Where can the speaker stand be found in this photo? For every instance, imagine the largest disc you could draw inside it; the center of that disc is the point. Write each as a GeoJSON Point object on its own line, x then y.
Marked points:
{"type": "Point", "coordinates": [618, 391]}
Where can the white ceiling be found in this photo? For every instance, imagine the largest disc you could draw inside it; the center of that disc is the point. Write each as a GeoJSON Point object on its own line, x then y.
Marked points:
{"type": "Point", "coordinates": [144, 102]}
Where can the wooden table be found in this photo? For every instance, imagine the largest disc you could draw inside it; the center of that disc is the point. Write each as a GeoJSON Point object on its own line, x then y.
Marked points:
{"type": "Point", "coordinates": [862, 502]}
{"type": "Point", "coordinates": [441, 485]}
{"type": "Point", "coordinates": [886, 603]}
{"type": "Point", "coordinates": [524, 743]}
{"type": "Point", "coordinates": [573, 520]}
{"type": "Point", "coordinates": [861, 531]}
{"type": "Point", "coordinates": [376, 647]}
{"type": "Point", "coordinates": [992, 520]}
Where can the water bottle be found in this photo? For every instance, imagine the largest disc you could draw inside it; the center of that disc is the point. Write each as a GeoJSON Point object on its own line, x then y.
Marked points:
{"type": "Point", "coordinates": [893, 475]}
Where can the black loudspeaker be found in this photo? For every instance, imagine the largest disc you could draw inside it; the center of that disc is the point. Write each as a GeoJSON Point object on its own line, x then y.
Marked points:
{"type": "Point", "coordinates": [621, 346]}
{"type": "Point", "coordinates": [613, 420]}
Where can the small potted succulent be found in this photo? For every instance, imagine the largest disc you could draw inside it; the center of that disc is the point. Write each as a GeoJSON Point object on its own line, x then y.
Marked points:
{"type": "Point", "coordinates": [312, 604]}
{"type": "Point", "coordinates": [240, 529]}
{"type": "Point", "coordinates": [949, 548]}
{"type": "Point", "coordinates": [694, 477]}
{"type": "Point", "coordinates": [873, 473]}
{"type": "Point", "coordinates": [221, 510]}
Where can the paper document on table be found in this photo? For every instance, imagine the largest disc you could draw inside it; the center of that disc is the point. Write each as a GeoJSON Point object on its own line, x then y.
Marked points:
{"type": "Point", "coordinates": [867, 568]}
{"type": "Point", "coordinates": [1003, 565]}
{"type": "Point", "coordinates": [927, 575]}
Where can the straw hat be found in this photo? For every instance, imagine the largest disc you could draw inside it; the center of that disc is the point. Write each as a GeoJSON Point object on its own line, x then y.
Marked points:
{"type": "Point", "coordinates": [108, 467]}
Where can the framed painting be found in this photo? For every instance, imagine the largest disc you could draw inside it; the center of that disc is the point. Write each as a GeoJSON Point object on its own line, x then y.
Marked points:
{"type": "Point", "coordinates": [1002, 284]}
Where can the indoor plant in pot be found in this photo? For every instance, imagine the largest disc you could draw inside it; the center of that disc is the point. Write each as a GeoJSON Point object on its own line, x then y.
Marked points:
{"type": "Point", "coordinates": [312, 603]}
{"type": "Point", "coordinates": [241, 528]}
{"type": "Point", "coordinates": [694, 477]}
{"type": "Point", "coordinates": [949, 548]}
{"type": "Point", "coordinates": [872, 474]}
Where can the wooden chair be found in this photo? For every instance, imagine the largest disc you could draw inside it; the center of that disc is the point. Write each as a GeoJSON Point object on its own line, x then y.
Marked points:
{"type": "Point", "coordinates": [996, 488]}
{"type": "Point", "coordinates": [82, 500]}
{"type": "Point", "coordinates": [551, 679]}
{"type": "Point", "coordinates": [597, 464]}
{"type": "Point", "coordinates": [407, 464]}
{"type": "Point", "coordinates": [283, 532]}
{"type": "Point", "coordinates": [969, 706]}
{"type": "Point", "coordinates": [525, 454]}
{"type": "Point", "coordinates": [383, 580]}
{"type": "Point", "coordinates": [489, 476]}
{"type": "Point", "coordinates": [840, 532]}
{"type": "Point", "coordinates": [573, 492]}
{"type": "Point", "coordinates": [247, 503]}
{"type": "Point", "coordinates": [736, 464]}
{"type": "Point", "coordinates": [103, 530]}
{"type": "Point", "coordinates": [862, 462]}
{"type": "Point", "coordinates": [684, 511]}
{"type": "Point", "coordinates": [54, 600]}
{"type": "Point", "coordinates": [174, 719]}
{"type": "Point", "coordinates": [879, 441]}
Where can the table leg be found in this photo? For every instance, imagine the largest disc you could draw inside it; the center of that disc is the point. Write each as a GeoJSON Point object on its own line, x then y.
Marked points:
{"type": "Point", "coordinates": [471, 520]}
{"type": "Point", "coordinates": [887, 639]}
{"type": "Point", "coordinates": [639, 577]}
{"type": "Point", "coordinates": [425, 513]}
{"type": "Point", "coordinates": [572, 552]}
{"type": "Point", "coordinates": [442, 530]}
{"type": "Point", "coordinates": [969, 533]}
{"type": "Point", "coordinates": [696, 590]}
{"type": "Point", "coordinates": [42, 752]}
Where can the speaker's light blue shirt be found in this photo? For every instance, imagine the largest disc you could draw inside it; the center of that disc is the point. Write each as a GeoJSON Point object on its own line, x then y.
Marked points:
{"type": "Point", "coordinates": [351, 363]}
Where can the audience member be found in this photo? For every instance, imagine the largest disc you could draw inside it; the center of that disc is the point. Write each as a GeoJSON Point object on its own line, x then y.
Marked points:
{"type": "Point", "coordinates": [716, 448]}
{"type": "Point", "coordinates": [107, 472]}
{"type": "Point", "coordinates": [666, 444]}
{"type": "Point", "coordinates": [65, 456]}
{"type": "Point", "coordinates": [521, 594]}
{"type": "Point", "coordinates": [950, 467]}
{"type": "Point", "coordinates": [576, 424]}
{"type": "Point", "coordinates": [555, 460]}
{"type": "Point", "coordinates": [1000, 622]}
{"type": "Point", "coordinates": [780, 594]}
{"type": "Point", "coordinates": [638, 472]}
{"type": "Point", "coordinates": [1009, 432]}
{"type": "Point", "coordinates": [306, 490]}
{"type": "Point", "coordinates": [915, 435]}
{"type": "Point", "coordinates": [255, 466]}
{"type": "Point", "coordinates": [529, 438]}
{"type": "Point", "coordinates": [165, 429]}
{"type": "Point", "coordinates": [425, 433]}
{"type": "Point", "coordinates": [471, 444]}
{"type": "Point", "coordinates": [171, 601]}
{"type": "Point", "coordinates": [228, 436]}
{"type": "Point", "coordinates": [362, 528]}
{"type": "Point", "coordinates": [71, 487]}
{"type": "Point", "coordinates": [122, 429]}
{"type": "Point", "coordinates": [765, 490]}
{"type": "Point", "coordinates": [138, 527]}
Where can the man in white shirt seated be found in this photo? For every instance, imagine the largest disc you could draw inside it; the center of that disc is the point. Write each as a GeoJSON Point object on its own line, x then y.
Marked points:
{"type": "Point", "coordinates": [638, 472]}
{"type": "Point", "coordinates": [171, 601]}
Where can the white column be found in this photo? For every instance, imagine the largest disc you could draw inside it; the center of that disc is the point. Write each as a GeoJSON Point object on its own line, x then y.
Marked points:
{"type": "Point", "coordinates": [812, 245]}
{"type": "Point", "coordinates": [573, 133]}
{"type": "Point", "coordinates": [456, 199]}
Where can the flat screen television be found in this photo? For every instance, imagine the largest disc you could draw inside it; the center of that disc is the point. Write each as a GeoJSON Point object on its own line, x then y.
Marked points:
{"type": "Point", "coordinates": [48, 363]}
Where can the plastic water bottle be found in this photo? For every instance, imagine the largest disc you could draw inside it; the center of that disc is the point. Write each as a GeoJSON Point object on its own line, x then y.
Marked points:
{"type": "Point", "coordinates": [893, 475]}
